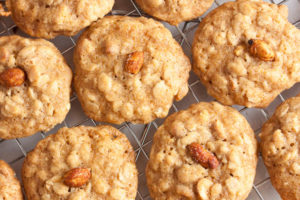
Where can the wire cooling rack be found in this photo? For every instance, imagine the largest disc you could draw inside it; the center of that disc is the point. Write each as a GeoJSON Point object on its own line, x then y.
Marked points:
{"type": "Point", "coordinates": [140, 136]}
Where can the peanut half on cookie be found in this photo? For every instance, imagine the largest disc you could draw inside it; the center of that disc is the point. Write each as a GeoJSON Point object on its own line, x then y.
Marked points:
{"type": "Point", "coordinates": [129, 69]}
{"type": "Point", "coordinates": [35, 86]}
{"type": "Point", "coordinates": [94, 163]}
{"type": "Point", "coordinates": [246, 52]}
{"type": "Point", "coordinates": [208, 151]}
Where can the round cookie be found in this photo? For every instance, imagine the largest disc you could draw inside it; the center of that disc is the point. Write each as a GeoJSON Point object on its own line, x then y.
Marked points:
{"type": "Point", "coordinates": [81, 163]}
{"type": "Point", "coordinates": [35, 86]}
{"type": "Point", "coordinates": [10, 188]}
{"type": "Point", "coordinates": [50, 18]}
{"type": "Point", "coordinates": [129, 69]}
{"type": "Point", "coordinates": [208, 151]}
{"type": "Point", "coordinates": [246, 52]}
{"type": "Point", "coordinates": [280, 140]}
{"type": "Point", "coordinates": [174, 11]}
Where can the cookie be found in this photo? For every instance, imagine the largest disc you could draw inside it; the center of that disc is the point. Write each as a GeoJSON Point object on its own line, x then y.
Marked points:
{"type": "Point", "coordinates": [129, 69]}
{"type": "Point", "coordinates": [174, 11]}
{"type": "Point", "coordinates": [10, 188]}
{"type": "Point", "coordinates": [35, 86]}
{"type": "Point", "coordinates": [280, 140]}
{"type": "Point", "coordinates": [208, 152]}
{"type": "Point", "coordinates": [81, 163]}
{"type": "Point", "coordinates": [246, 52]}
{"type": "Point", "coordinates": [50, 18]}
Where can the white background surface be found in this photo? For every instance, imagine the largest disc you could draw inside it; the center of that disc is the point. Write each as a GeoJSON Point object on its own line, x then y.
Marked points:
{"type": "Point", "coordinates": [140, 136]}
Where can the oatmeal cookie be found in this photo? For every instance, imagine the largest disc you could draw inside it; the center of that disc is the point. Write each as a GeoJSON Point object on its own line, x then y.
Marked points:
{"type": "Point", "coordinates": [35, 86]}
{"type": "Point", "coordinates": [50, 18]}
{"type": "Point", "coordinates": [246, 52]}
{"type": "Point", "coordinates": [280, 140]}
{"type": "Point", "coordinates": [10, 188]}
{"type": "Point", "coordinates": [81, 163]}
{"type": "Point", "coordinates": [129, 69]}
{"type": "Point", "coordinates": [175, 11]}
{"type": "Point", "coordinates": [207, 152]}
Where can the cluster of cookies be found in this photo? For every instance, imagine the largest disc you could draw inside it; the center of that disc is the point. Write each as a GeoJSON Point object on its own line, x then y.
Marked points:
{"type": "Point", "coordinates": [130, 70]}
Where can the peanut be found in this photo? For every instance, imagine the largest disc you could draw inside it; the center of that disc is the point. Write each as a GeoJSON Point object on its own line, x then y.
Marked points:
{"type": "Point", "coordinates": [12, 77]}
{"type": "Point", "coordinates": [134, 62]}
{"type": "Point", "coordinates": [202, 156]}
{"type": "Point", "coordinates": [261, 50]}
{"type": "Point", "coordinates": [77, 177]}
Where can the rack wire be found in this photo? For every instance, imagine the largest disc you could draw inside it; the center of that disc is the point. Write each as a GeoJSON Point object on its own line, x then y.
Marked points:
{"type": "Point", "coordinates": [14, 151]}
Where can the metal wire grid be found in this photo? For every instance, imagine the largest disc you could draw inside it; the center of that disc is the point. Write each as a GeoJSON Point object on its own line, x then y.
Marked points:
{"type": "Point", "coordinates": [140, 136]}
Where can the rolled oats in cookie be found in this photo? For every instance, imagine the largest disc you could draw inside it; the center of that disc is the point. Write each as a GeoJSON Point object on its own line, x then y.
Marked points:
{"type": "Point", "coordinates": [35, 86]}
{"type": "Point", "coordinates": [175, 11]}
{"type": "Point", "coordinates": [50, 18]}
{"type": "Point", "coordinates": [10, 188]}
{"type": "Point", "coordinates": [129, 69]}
{"type": "Point", "coordinates": [95, 163]}
{"type": "Point", "coordinates": [280, 140]}
{"type": "Point", "coordinates": [246, 52]}
{"type": "Point", "coordinates": [207, 152]}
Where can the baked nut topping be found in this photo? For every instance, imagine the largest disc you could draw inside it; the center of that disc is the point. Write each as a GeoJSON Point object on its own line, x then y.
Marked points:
{"type": "Point", "coordinates": [202, 156]}
{"type": "Point", "coordinates": [77, 177]}
{"type": "Point", "coordinates": [261, 50]}
{"type": "Point", "coordinates": [12, 77]}
{"type": "Point", "coordinates": [134, 62]}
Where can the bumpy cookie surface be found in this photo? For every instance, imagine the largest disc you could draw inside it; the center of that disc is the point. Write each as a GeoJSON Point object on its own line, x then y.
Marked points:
{"type": "Point", "coordinates": [235, 73]}
{"type": "Point", "coordinates": [35, 86]}
{"type": "Point", "coordinates": [103, 151]}
{"type": "Point", "coordinates": [175, 11]}
{"type": "Point", "coordinates": [10, 188]}
{"type": "Point", "coordinates": [280, 145]}
{"type": "Point", "coordinates": [173, 172]}
{"type": "Point", "coordinates": [49, 18]}
{"type": "Point", "coordinates": [129, 69]}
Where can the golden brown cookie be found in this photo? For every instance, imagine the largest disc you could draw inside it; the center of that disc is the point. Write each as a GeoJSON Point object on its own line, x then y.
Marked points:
{"type": "Point", "coordinates": [280, 140]}
{"type": "Point", "coordinates": [35, 86]}
{"type": "Point", "coordinates": [246, 52]}
{"type": "Point", "coordinates": [93, 163]}
{"type": "Point", "coordinates": [175, 11]}
{"type": "Point", "coordinates": [208, 152]}
{"type": "Point", "coordinates": [50, 18]}
{"type": "Point", "coordinates": [10, 188]}
{"type": "Point", "coordinates": [129, 69]}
